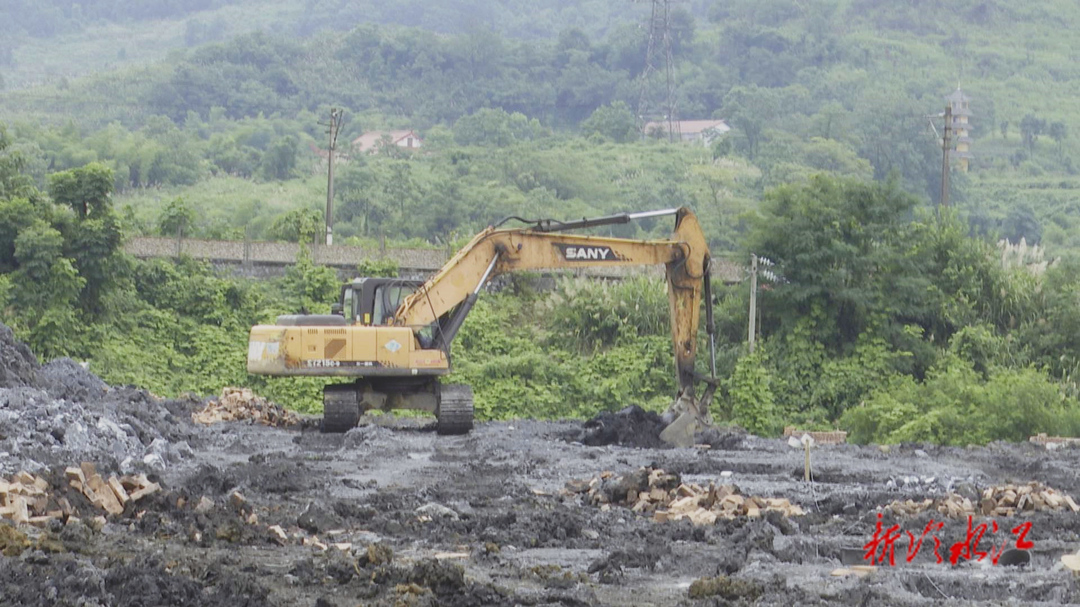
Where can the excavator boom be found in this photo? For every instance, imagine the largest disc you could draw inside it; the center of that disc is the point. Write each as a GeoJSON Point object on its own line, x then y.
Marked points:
{"type": "Point", "coordinates": [544, 246]}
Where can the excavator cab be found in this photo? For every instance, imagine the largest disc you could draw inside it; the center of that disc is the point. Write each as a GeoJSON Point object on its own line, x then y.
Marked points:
{"type": "Point", "coordinates": [373, 301]}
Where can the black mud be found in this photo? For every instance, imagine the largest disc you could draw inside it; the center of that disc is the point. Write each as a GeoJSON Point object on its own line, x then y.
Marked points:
{"type": "Point", "coordinates": [388, 515]}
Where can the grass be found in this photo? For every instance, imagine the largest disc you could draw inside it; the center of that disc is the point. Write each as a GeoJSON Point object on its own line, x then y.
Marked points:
{"type": "Point", "coordinates": [226, 200]}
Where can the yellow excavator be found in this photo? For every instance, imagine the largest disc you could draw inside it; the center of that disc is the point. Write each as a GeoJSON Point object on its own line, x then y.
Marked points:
{"type": "Point", "coordinates": [393, 335]}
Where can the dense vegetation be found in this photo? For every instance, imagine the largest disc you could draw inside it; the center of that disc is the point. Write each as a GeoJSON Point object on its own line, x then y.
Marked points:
{"type": "Point", "coordinates": [887, 318]}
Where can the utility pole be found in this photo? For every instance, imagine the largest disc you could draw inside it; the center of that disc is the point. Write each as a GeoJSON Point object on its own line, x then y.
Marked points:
{"type": "Point", "coordinates": [335, 126]}
{"type": "Point", "coordinates": [753, 299]}
{"type": "Point", "coordinates": [945, 156]}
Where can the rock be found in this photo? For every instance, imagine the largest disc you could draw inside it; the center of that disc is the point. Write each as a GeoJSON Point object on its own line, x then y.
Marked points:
{"type": "Point", "coordinates": [155, 461]}
{"type": "Point", "coordinates": [110, 427]}
{"type": "Point", "coordinates": [18, 365]}
{"type": "Point", "coordinates": [205, 505]}
{"type": "Point", "coordinates": [437, 511]}
{"type": "Point", "coordinates": [315, 519]}
{"type": "Point", "coordinates": [183, 450]}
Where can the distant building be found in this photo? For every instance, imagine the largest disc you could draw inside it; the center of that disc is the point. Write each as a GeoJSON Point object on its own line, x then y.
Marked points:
{"type": "Point", "coordinates": [703, 131]}
{"type": "Point", "coordinates": [369, 142]}
{"type": "Point", "coordinates": [960, 155]}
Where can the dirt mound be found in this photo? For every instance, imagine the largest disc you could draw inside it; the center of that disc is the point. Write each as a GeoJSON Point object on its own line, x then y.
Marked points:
{"type": "Point", "coordinates": [724, 438]}
{"type": "Point", "coordinates": [64, 378]}
{"type": "Point", "coordinates": [60, 414]}
{"type": "Point", "coordinates": [629, 427]}
{"type": "Point", "coordinates": [18, 365]}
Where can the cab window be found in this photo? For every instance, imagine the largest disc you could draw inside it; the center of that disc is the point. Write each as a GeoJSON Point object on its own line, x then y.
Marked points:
{"type": "Point", "coordinates": [388, 299]}
{"type": "Point", "coordinates": [348, 305]}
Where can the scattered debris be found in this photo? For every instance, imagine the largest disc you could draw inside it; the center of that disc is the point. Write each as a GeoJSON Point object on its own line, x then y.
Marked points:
{"type": "Point", "coordinates": [1072, 563]}
{"type": "Point", "coordinates": [428, 512]}
{"type": "Point", "coordinates": [667, 498]}
{"type": "Point", "coordinates": [26, 499]}
{"type": "Point", "coordinates": [999, 500]}
{"type": "Point", "coordinates": [205, 505]}
{"type": "Point", "coordinates": [931, 485]}
{"type": "Point", "coordinates": [856, 570]}
{"type": "Point", "coordinates": [113, 495]}
{"type": "Point", "coordinates": [1053, 442]}
{"type": "Point", "coordinates": [236, 404]}
{"type": "Point", "coordinates": [279, 534]}
{"type": "Point", "coordinates": [837, 437]}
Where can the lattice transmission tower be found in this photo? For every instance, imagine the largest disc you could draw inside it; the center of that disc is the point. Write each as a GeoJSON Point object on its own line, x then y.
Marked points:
{"type": "Point", "coordinates": [658, 89]}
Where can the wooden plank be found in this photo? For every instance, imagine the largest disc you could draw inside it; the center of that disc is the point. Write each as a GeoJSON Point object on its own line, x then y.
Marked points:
{"type": "Point", "coordinates": [20, 514]}
{"type": "Point", "coordinates": [104, 497]}
{"type": "Point", "coordinates": [118, 490]}
{"type": "Point", "coordinates": [88, 470]}
{"type": "Point", "coordinates": [145, 491]}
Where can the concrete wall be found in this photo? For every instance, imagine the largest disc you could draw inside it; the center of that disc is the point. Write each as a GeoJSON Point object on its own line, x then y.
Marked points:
{"type": "Point", "coordinates": [266, 259]}
{"type": "Point", "coordinates": [281, 253]}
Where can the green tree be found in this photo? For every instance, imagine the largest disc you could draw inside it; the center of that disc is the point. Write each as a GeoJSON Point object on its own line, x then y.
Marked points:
{"type": "Point", "coordinates": [279, 162]}
{"type": "Point", "coordinates": [176, 218]}
{"type": "Point", "coordinates": [750, 393]}
{"type": "Point", "coordinates": [1059, 133]}
{"type": "Point", "coordinates": [496, 127]}
{"type": "Point", "coordinates": [1030, 129]}
{"type": "Point", "coordinates": [13, 180]}
{"type": "Point", "coordinates": [298, 225]}
{"type": "Point", "coordinates": [86, 190]}
{"type": "Point", "coordinates": [614, 122]}
{"type": "Point", "coordinates": [836, 242]}
{"type": "Point", "coordinates": [309, 286]}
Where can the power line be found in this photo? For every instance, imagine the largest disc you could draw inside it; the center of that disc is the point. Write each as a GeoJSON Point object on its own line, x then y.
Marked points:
{"type": "Point", "coordinates": [659, 50]}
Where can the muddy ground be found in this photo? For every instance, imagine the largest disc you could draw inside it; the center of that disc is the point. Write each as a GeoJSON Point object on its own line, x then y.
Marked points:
{"type": "Point", "coordinates": [481, 503]}
{"type": "Point", "coordinates": [479, 520]}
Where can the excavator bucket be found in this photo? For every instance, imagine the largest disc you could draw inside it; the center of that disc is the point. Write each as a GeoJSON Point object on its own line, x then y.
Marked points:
{"type": "Point", "coordinates": [689, 416]}
{"type": "Point", "coordinates": [680, 433]}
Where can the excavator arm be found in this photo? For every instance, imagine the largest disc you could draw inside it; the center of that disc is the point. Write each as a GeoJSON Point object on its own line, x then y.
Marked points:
{"type": "Point", "coordinates": [545, 246]}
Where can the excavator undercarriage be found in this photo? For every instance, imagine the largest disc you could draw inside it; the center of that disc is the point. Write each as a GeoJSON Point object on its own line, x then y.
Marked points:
{"type": "Point", "coordinates": [451, 404]}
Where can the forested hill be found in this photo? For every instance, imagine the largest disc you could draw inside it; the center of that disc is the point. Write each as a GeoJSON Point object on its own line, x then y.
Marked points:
{"type": "Point", "coordinates": [42, 41]}
{"type": "Point", "coordinates": [842, 87]}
